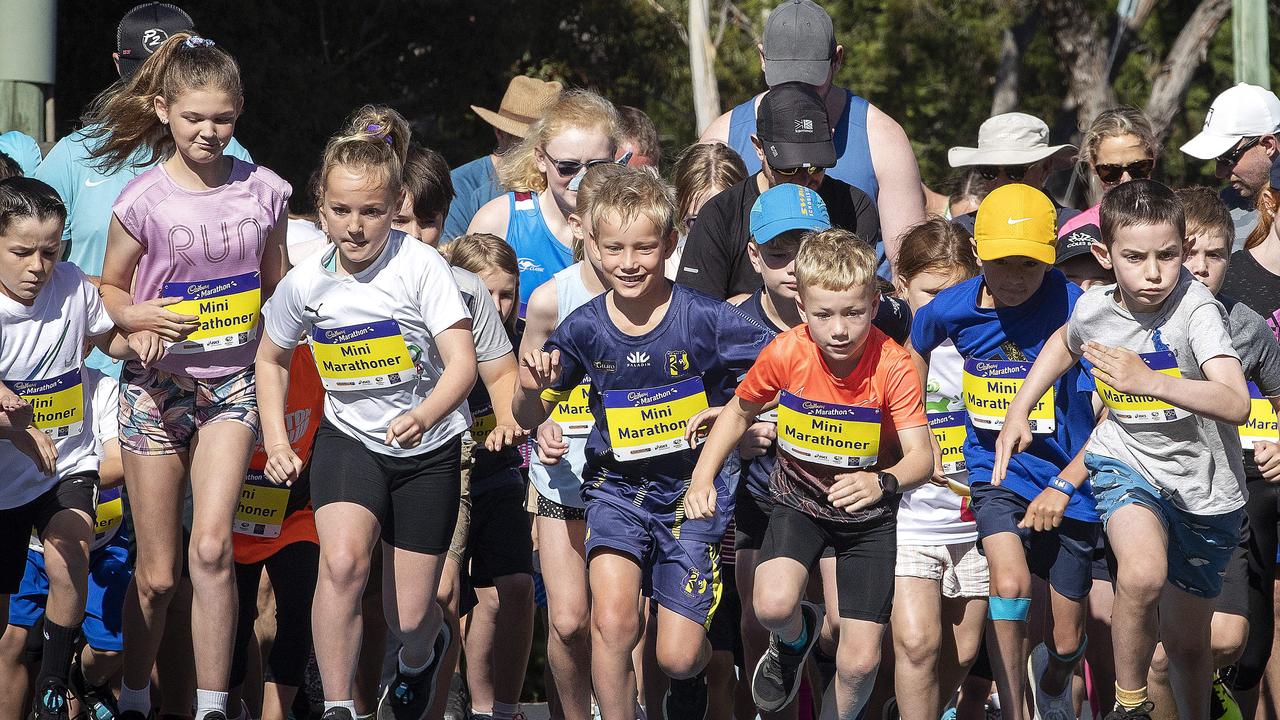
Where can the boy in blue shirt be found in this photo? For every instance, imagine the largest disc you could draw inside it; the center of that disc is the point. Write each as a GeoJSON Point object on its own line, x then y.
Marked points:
{"type": "Point", "coordinates": [656, 355]}
{"type": "Point", "coordinates": [999, 321]}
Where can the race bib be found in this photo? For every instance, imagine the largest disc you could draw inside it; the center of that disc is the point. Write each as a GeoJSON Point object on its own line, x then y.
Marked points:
{"type": "Point", "coordinates": [573, 414]}
{"type": "Point", "coordinates": [359, 357]}
{"type": "Point", "coordinates": [481, 426]}
{"type": "Point", "coordinates": [948, 430]}
{"type": "Point", "coordinates": [841, 436]}
{"type": "Point", "coordinates": [57, 404]}
{"type": "Point", "coordinates": [989, 387]}
{"type": "Point", "coordinates": [228, 309]}
{"type": "Point", "coordinates": [1262, 425]}
{"type": "Point", "coordinates": [1144, 408]}
{"type": "Point", "coordinates": [110, 513]}
{"type": "Point", "coordinates": [261, 511]}
{"type": "Point", "coordinates": [648, 423]}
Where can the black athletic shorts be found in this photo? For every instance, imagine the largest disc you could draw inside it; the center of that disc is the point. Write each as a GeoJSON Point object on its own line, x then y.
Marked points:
{"type": "Point", "coordinates": [725, 633]}
{"type": "Point", "coordinates": [500, 542]}
{"type": "Point", "coordinates": [78, 491]}
{"type": "Point", "coordinates": [415, 498]}
{"type": "Point", "coordinates": [751, 518]}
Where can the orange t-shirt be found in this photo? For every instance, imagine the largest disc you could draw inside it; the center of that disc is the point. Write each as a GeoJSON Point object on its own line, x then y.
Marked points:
{"type": "Point", "coordinates": [839, 416]}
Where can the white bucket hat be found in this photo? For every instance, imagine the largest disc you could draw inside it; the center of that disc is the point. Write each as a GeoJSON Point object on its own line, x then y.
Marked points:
{"type": "Point", "coordinates": [1008, 139]}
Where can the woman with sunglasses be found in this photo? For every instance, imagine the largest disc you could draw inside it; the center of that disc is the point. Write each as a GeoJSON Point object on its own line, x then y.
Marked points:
{"type": "Point", "coordinates": [576, 132]}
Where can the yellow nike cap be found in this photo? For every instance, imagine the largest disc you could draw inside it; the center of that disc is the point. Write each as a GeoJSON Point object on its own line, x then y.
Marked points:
{"type": "Point", "coordinates": [1016, 220]}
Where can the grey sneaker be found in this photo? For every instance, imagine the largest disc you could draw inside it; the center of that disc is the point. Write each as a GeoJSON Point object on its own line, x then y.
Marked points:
{"type": "Point", "coordinates": [409, 697]}
{"type": "Point", "coordinates": [775, 682]}
{"type": "Point", "coordinates": [1048, 707]}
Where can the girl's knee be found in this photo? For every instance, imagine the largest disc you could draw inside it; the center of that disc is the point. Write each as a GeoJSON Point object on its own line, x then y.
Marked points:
{"type": "Point", "coordinates": [211, 553]}
{"type": "Point", "coordinates": [569, 621]}
{"type": "Point", "coordinates": [344, 568]}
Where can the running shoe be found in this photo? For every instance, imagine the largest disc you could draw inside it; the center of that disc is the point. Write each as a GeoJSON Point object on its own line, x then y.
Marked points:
{"type": "Point", "coordinates": [458, 706]}
{"type": "Point", "coordinates": [1222, 704]}
{"type": "Point", "coordinates": [1048, 707]}
{"type": "Point", "coordinates": [686, 699]}
{"type": "Point", "coordinates": [409, 697]}
{"type": "Point", "coordinates": [1142, 712]}
{"type": "Point", "coordinates": [337, 713]}
{"type": "Point", "coordinates": [776, 680]}
{"type": "Point", "coordinates": [50, 702]}
{"type": "Point", "coordinates": [97, 701]}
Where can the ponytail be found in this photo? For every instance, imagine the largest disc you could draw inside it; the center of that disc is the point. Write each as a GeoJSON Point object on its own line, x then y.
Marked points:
{"type": "Point", "coordinates": [375, 138]}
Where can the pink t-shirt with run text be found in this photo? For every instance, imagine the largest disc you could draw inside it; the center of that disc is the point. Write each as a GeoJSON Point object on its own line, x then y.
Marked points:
{"type": "Point", "coordinates": [206, 247]}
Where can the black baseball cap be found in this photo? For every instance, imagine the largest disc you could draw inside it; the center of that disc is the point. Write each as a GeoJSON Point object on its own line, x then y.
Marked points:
{"type": "Point", "coordinates": [791, 124]}
{"type": "Point", "coordinates": [144, 29]}
{"type": "Point", "coordinates": [1078, 241]}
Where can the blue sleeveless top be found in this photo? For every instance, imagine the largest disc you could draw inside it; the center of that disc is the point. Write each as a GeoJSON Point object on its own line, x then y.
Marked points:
{"type": "Point", "coordinates": [853, 152]}
{"type": "Point", "coordinates": [540, 255]}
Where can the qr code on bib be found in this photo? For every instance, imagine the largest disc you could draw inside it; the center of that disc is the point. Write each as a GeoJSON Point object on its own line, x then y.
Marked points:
{"type": "Point", "coordinates": [393, 378]}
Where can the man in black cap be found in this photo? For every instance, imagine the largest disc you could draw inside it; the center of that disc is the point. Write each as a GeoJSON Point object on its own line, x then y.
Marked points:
{"type": "Point", "coordinates": [872, 152]}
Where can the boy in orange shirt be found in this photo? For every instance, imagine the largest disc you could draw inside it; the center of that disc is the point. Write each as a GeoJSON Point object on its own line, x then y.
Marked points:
{"type": "Point", "coordinates": [852, 434]}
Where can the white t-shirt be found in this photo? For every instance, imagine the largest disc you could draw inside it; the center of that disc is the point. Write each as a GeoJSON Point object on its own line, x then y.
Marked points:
{"type": "Point", "coordinates": [41, 359]}
{"type": "Point", "coordinates": [373, 337]}
{"type": "Point", "coordinates": [929, 514]}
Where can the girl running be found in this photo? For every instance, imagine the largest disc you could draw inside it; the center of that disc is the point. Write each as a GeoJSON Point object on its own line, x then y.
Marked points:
{"type": "Point", "coordinates": [393, 346]}
{"type": "Point", "coordinates": [195, 244]}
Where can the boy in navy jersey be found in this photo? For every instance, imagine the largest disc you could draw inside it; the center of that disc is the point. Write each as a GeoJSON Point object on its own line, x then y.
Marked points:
{"type": "Point", "coordinates": [656, 355]}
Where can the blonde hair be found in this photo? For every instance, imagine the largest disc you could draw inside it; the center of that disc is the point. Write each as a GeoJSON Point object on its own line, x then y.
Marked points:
{"type": "Point", "coordinates": [632, 194]}
{"type": "Point", "coordinates": [374, 140]}
{"type": "Point", "coordinates": [482, 253]}
{"type": "Point", "coordinates": [1118, 122]}
{"type": "Point", "coordinates": [835, 260]}
{"type": "Point", "coordinates": [704, 167]}
{"type": "Point", "coordinates": [122, 119]}
{"type": "Point", "coordinates": [587, 189]}
{"type": "Point", "coordinates": [580, 109]}
{"type": "Point", "coordinates": [936, 245]}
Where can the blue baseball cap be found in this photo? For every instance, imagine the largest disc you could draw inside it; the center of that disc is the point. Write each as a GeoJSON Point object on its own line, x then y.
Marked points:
{"type": "Point", "coordinates": [787, 207]}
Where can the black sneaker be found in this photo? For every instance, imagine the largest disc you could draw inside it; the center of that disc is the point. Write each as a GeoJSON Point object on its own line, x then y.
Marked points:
{"type": "Point", "coordinates": [1142, 712]}
{"type": "Point", "coordinates": [409, 697]}
{"type": "Point", "coordinates": [97, 701]}
{"type": "Point", "coordinates": [458, 706]}
{"type": "Point", "coordinates": [215, 715]}
{"type": "Point", "coordinates": [686, 699]}
{"type": "Point", "coordinates": [775, 682]}
{"type": "Point", "coordinates": [337, 713]}
{"type": "Point", "coordinates": [50, 702]}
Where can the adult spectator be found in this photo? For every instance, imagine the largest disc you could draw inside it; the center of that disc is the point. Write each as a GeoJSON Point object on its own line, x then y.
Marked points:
{"type": "Point", "coordinates": [1239, 135]}
{"type": "Point", "coordinates": [476, 182]}
{"type": "Point", "coordinates": [1012, 148]}
{"type": "Point", "coordinates": [872, 152]}
{"type": "Point", "coordinates": [638, 135]}
{"type": "Point", "coordinates": [88, 191]}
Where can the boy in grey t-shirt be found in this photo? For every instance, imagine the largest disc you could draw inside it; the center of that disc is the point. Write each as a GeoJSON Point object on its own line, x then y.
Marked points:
{"type": "Point", "coordinates": [1165, 464]}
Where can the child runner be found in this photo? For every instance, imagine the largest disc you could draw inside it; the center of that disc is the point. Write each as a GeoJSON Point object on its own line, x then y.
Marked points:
{"type": "Point", "coordinates": [428, 191]}
{"type": "Point", "coordinates": [656, 354]}
{"type": "Point", "coordinates": [940, 589]}
{"type": "Point", "coordinates": [702, 172]}
{"type": "Point", "coordinates": [195, 244]}
{"type": "Point", "coordinates": [862, 410]}
{"type": "Point", "coordinates": [47, 310]}
{"type": "Point", "coordinates": [393, 346]}
{"type": "Point", "coordinates": [1165, 463]}
{"type": "Point", "coordinates": [998, 323]}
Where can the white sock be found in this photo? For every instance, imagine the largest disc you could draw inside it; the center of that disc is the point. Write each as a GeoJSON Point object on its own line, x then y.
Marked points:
{"type": "Point", "coordinates": [412, 671]}
{"type": "Point", "coordinates": [505, 711]}
{"type": "Point", "coordinates": [130, 699]}
{"type": "Point", "coordinates": [348, 704]}
{"type": "Point", "coordinates": [208, 701]}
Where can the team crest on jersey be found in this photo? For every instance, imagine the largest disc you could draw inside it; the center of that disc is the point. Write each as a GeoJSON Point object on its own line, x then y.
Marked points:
{"type": "Point", "coordinates": [677, 362]}
{"type": "Point", "coordinates": [638, 358]}
{"type": "Point", "coordinates": [695, 583]}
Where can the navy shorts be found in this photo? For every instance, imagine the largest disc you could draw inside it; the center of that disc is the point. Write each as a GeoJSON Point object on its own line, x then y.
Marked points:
{"type": "Point", "coordinates": [1063, 556]}
{"type": "Point", "coordinates": [681, 574]}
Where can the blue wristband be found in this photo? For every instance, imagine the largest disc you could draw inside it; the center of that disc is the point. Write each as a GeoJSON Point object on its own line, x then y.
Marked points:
{"type": "Point", "coordinates": [1062, 486]}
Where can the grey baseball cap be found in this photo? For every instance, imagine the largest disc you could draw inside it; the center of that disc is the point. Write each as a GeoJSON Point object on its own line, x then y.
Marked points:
{"type": "Point", "coordinates": [799, 44]}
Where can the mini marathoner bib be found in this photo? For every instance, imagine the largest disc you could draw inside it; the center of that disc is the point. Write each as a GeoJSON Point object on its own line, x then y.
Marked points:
{"type": "Point", "coordinates": [481, 426]}
{"type": "Point", "coordinates": [262, 508]}
{"type": "Point", "coordinates": [573, 414]}
{"type": "Point", "coordinates": [989, 387]}
{"type": "Point", "coordinates": [841, 436]}
{"type": "Point", "coordinates": [650, 422]}
{"type": "Point", "coordinates": [1144, 408]}
{"type": "Point", "coordinates": [949, 431]}
{"type": "Point", "coordinates": [57, 404]}
{"type": "Point", "coordinates": [359, 357]}
{"type": "Point", "coordinates": [110, 513]}
{"type": "Point", "coordinates": [1262, 425]}
{"type": "Point", "coordinates": [228, 309]}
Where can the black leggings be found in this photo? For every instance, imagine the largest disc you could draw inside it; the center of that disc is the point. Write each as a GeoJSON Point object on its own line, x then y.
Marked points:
{"type": "Point", "coordinates": [293, 579]}
{"type": "Point", "coordinates": [1263, 510]}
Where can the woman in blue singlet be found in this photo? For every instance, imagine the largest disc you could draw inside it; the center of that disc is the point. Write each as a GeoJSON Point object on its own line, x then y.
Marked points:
{"type": "Point", "coordinates": [577, 131]}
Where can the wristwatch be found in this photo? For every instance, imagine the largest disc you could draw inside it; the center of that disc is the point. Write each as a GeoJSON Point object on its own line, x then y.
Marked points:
{"type": "Point", "coordinates": [888, 483]}
{"type": "Point", "coordinates": [1062, 486]}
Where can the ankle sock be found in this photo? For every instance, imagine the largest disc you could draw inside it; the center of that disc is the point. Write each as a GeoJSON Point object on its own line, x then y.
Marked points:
{"type": "Point", "coordinates": [130, 699]}
{"type": "Point", "coordinates": [799, 642]}
{"type": "Point", "coordinates": [348, 704]}
{"type": "Point", "coordinates": [59, 646]}
{"type": "Point", "coordinates": [1129, 699]}
{"type": "Point", "coordinates": [208, 701]}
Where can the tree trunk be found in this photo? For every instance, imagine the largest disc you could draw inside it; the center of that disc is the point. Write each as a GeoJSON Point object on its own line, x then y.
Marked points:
{"type": "Point", "coordinates": [1082, 51]}
{"type": "Point", "coordinates": [1012, 46]}
{"type": "Point", "coordinates": [1186, 54]}
{"type": "Point", "coordinates": [702, 63]}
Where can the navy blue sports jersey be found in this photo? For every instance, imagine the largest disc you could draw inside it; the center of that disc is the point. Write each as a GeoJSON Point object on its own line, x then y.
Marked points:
{"type": "Point", "coordinates": [756, 471]}
{"type": "Point", "coordinates": [645, 388]}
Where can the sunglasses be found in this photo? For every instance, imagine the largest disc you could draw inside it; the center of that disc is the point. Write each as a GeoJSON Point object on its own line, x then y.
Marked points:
{"type": "Point", "coordinates": [569, 168]}
{"type": "Point", "coordinates": [1139, 170]}
{"type": "Point", "coordinates": [789, 172]}
{"type": "Point", "coordinates": [1231, 157]}
{"type": "Point", "coordinates": [1013, 172]}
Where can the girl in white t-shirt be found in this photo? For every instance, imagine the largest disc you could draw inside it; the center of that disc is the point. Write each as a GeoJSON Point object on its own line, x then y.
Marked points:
{"type": "Point", "coordinates": [940, 593]}
{"type": "Point", "coordinates": [393, 346]}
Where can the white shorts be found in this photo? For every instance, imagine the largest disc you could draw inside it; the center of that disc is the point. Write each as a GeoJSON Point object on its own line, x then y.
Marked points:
{"type": "Point", "coordinates": [959, 568]}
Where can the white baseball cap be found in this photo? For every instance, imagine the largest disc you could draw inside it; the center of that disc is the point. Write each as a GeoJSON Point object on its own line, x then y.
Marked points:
{"type": "Point", "coordinates": [1239, 112]}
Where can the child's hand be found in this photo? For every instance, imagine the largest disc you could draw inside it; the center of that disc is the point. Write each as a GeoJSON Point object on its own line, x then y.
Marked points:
{"type": "Point", "coordinates": [37, 446]}
{"type": "Point", "coordinates": [147, 346]}
{"type": "Point", "coordinates": [855, 491]}
{"type": "Point", "coordinates": [550, 443]}
{"type": "Point", "coordinates": [1121, 368]}
{"type": "Point", "coordinates": [700, 424]}
{"type": "Point", "coordinates": [700, 500]}
{"type": "Point", "coordinates": [1267, 455]}
{"type": "Point", "coordinates": [503, 436]}
{"type": "Point", "coordinates": [406, 431]}
{"type": "Point", "coordinates": [1014, 437]}
{"type": "Point", "coordinates": [283, 464]}
{"type": "Point", "coordinates": [757, 440]}
{"type": "Point", "coordinates": [11, 401]}
{"type": "Point", "coordinates": [539, 370]}
{"type": "Point", "coordinates": [153, 316]}
{"type": "Point", "coordinates": [1045, 512]}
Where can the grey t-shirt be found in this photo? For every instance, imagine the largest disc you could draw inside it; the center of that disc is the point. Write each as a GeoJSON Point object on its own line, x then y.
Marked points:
{"type": "Point", "coordinates": [1194, 460]}
{"type": "Point", "coordinates": [486, 325]}
{"type": "Point", "coordinates": [1259, 354]}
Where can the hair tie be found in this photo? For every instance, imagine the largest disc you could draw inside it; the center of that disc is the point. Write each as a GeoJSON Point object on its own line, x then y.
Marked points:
{"type": "Point", "coordinates": [196, 41]}
{"type": "Point", "coordinates": [375, 128]}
